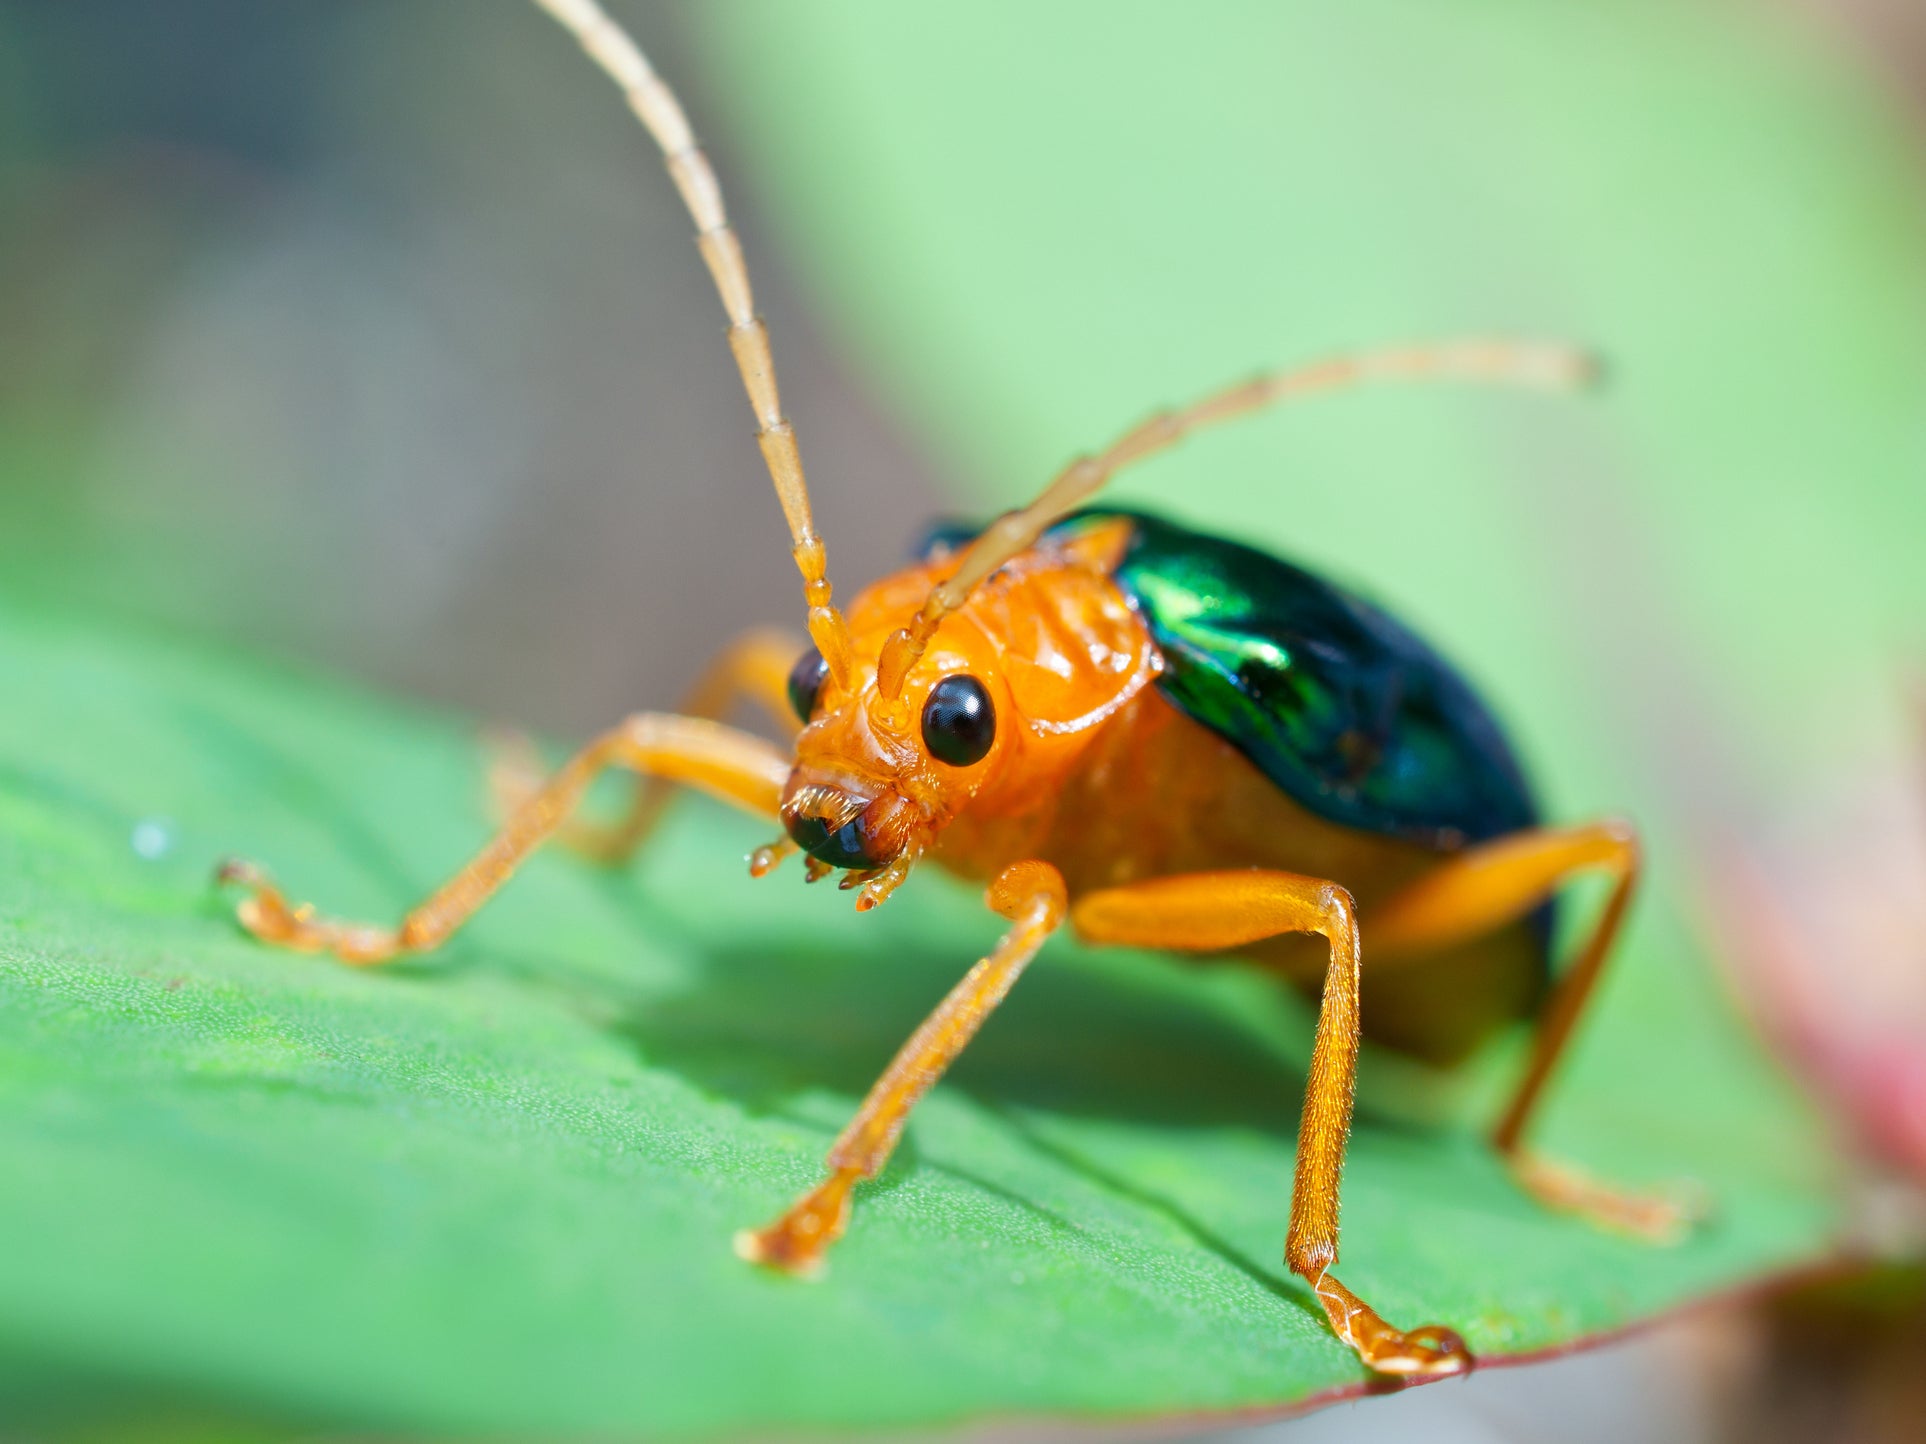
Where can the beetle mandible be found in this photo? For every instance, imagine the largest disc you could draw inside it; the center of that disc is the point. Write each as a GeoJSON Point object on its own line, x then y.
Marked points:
{"type": "Point", "coordinates": [1302, 772]}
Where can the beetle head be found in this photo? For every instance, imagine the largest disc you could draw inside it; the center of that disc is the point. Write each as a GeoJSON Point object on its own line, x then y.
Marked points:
{"type": "Point", "coordinates": [1010, 688]}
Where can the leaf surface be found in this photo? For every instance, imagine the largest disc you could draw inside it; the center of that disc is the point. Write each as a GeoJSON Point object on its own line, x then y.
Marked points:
{"type": "Point", "coordinates": [495, 1189]}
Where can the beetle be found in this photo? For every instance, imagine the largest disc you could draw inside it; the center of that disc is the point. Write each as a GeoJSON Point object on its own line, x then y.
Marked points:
{"type": "Point", "coordinates": [1159, 738]}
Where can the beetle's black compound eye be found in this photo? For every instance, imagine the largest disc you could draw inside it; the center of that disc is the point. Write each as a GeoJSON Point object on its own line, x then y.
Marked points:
{"type": "Point", "coordinates": [806, 680]}
{"type": "Point", "coordinates": [959, 721]}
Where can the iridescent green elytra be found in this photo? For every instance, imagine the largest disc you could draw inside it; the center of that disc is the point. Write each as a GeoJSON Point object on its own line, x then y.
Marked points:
{"type": "Point", "coordinates": [1344, 709]}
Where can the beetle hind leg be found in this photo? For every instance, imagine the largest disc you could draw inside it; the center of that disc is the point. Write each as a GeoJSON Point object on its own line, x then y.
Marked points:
{"type": "Point", "coordinates": [1494, 884]}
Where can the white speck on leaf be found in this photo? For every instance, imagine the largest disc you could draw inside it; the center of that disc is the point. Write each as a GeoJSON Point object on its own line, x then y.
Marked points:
{"type": "Point", "coordinates": [153, 838]}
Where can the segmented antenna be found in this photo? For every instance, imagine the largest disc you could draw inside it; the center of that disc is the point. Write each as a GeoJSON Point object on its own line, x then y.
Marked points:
{"type": "Point", "coordinates": [655, 105]}
{"type": "Point", "coordinates": [1552, 367]}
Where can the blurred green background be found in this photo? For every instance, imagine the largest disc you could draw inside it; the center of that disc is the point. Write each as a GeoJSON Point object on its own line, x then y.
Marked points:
{"type": "Point", "coordinates": [369, 334]}
{"type": "Point", "coordinates": [357, 331]}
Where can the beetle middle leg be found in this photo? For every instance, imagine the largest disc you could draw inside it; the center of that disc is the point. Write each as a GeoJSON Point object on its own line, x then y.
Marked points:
{"type": "Point", "coordinates": [1213, 912]}
{"type": "Point", "coordinates": [721, 761]}
{"type": "Point", "coordinates": [1031, 895]}
{"type": "Point", "coordinates": [754, 667]}
{"type": "Point", "coordinates": [1485, 888]}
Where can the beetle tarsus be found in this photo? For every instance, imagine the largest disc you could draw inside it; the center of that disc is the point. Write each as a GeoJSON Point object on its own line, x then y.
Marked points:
{"type": "Point", "coordinates": [1662, 1218]}
{"type": "Point", "coordinates": [266, 913]}
{"type": "Point", "coordinates": [798, 1242]}
{"type": "Point", "coordinates": [1427, 1352]}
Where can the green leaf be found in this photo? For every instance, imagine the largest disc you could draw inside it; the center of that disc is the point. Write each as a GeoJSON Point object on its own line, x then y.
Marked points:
{"type": "Point", "coordinates": [495, 1189]}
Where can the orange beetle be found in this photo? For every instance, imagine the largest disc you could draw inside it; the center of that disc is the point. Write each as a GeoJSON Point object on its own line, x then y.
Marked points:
{"type": "Point", "coordinates": [1165, 740]}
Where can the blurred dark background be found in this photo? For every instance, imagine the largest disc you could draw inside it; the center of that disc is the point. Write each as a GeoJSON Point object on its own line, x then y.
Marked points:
{"type": "Point", "coordinates": [358, 331]}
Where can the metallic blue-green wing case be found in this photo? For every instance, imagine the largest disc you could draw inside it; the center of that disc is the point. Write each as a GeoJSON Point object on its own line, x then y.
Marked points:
{"type": "Point", "coordinates": [1344, 709]}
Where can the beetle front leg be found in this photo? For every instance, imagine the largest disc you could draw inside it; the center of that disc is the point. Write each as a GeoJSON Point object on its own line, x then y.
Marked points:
{"type": "Point", "coordinates": [1213, 912]}
{"type": "Point", "coordinates": [1031, 895]}
{"type": "Point", "coordinates": [731, 765]}
{"type": "Point", "coordinates": [755, 667]}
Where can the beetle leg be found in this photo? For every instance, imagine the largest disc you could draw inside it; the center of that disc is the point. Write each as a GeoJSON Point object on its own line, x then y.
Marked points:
{"type": "Point", "coordinates": [754, 667]}
{"type": "Point", "coordinates": [731, 765]}
{"type": "Point", "coordinates": [1031, 895]}
{"type": "Point", "coordinates": [1211, 912]}
{"type": "Point", "coordinates": [1486, 887]}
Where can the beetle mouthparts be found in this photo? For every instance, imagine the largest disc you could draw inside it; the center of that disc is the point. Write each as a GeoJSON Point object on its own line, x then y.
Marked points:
{"type": "Point", "coordinates": [829, 824]}
{"type": "Point", "coordinates": [848, 846]}
{"type": "Point", "coordinates": [832, 806]}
